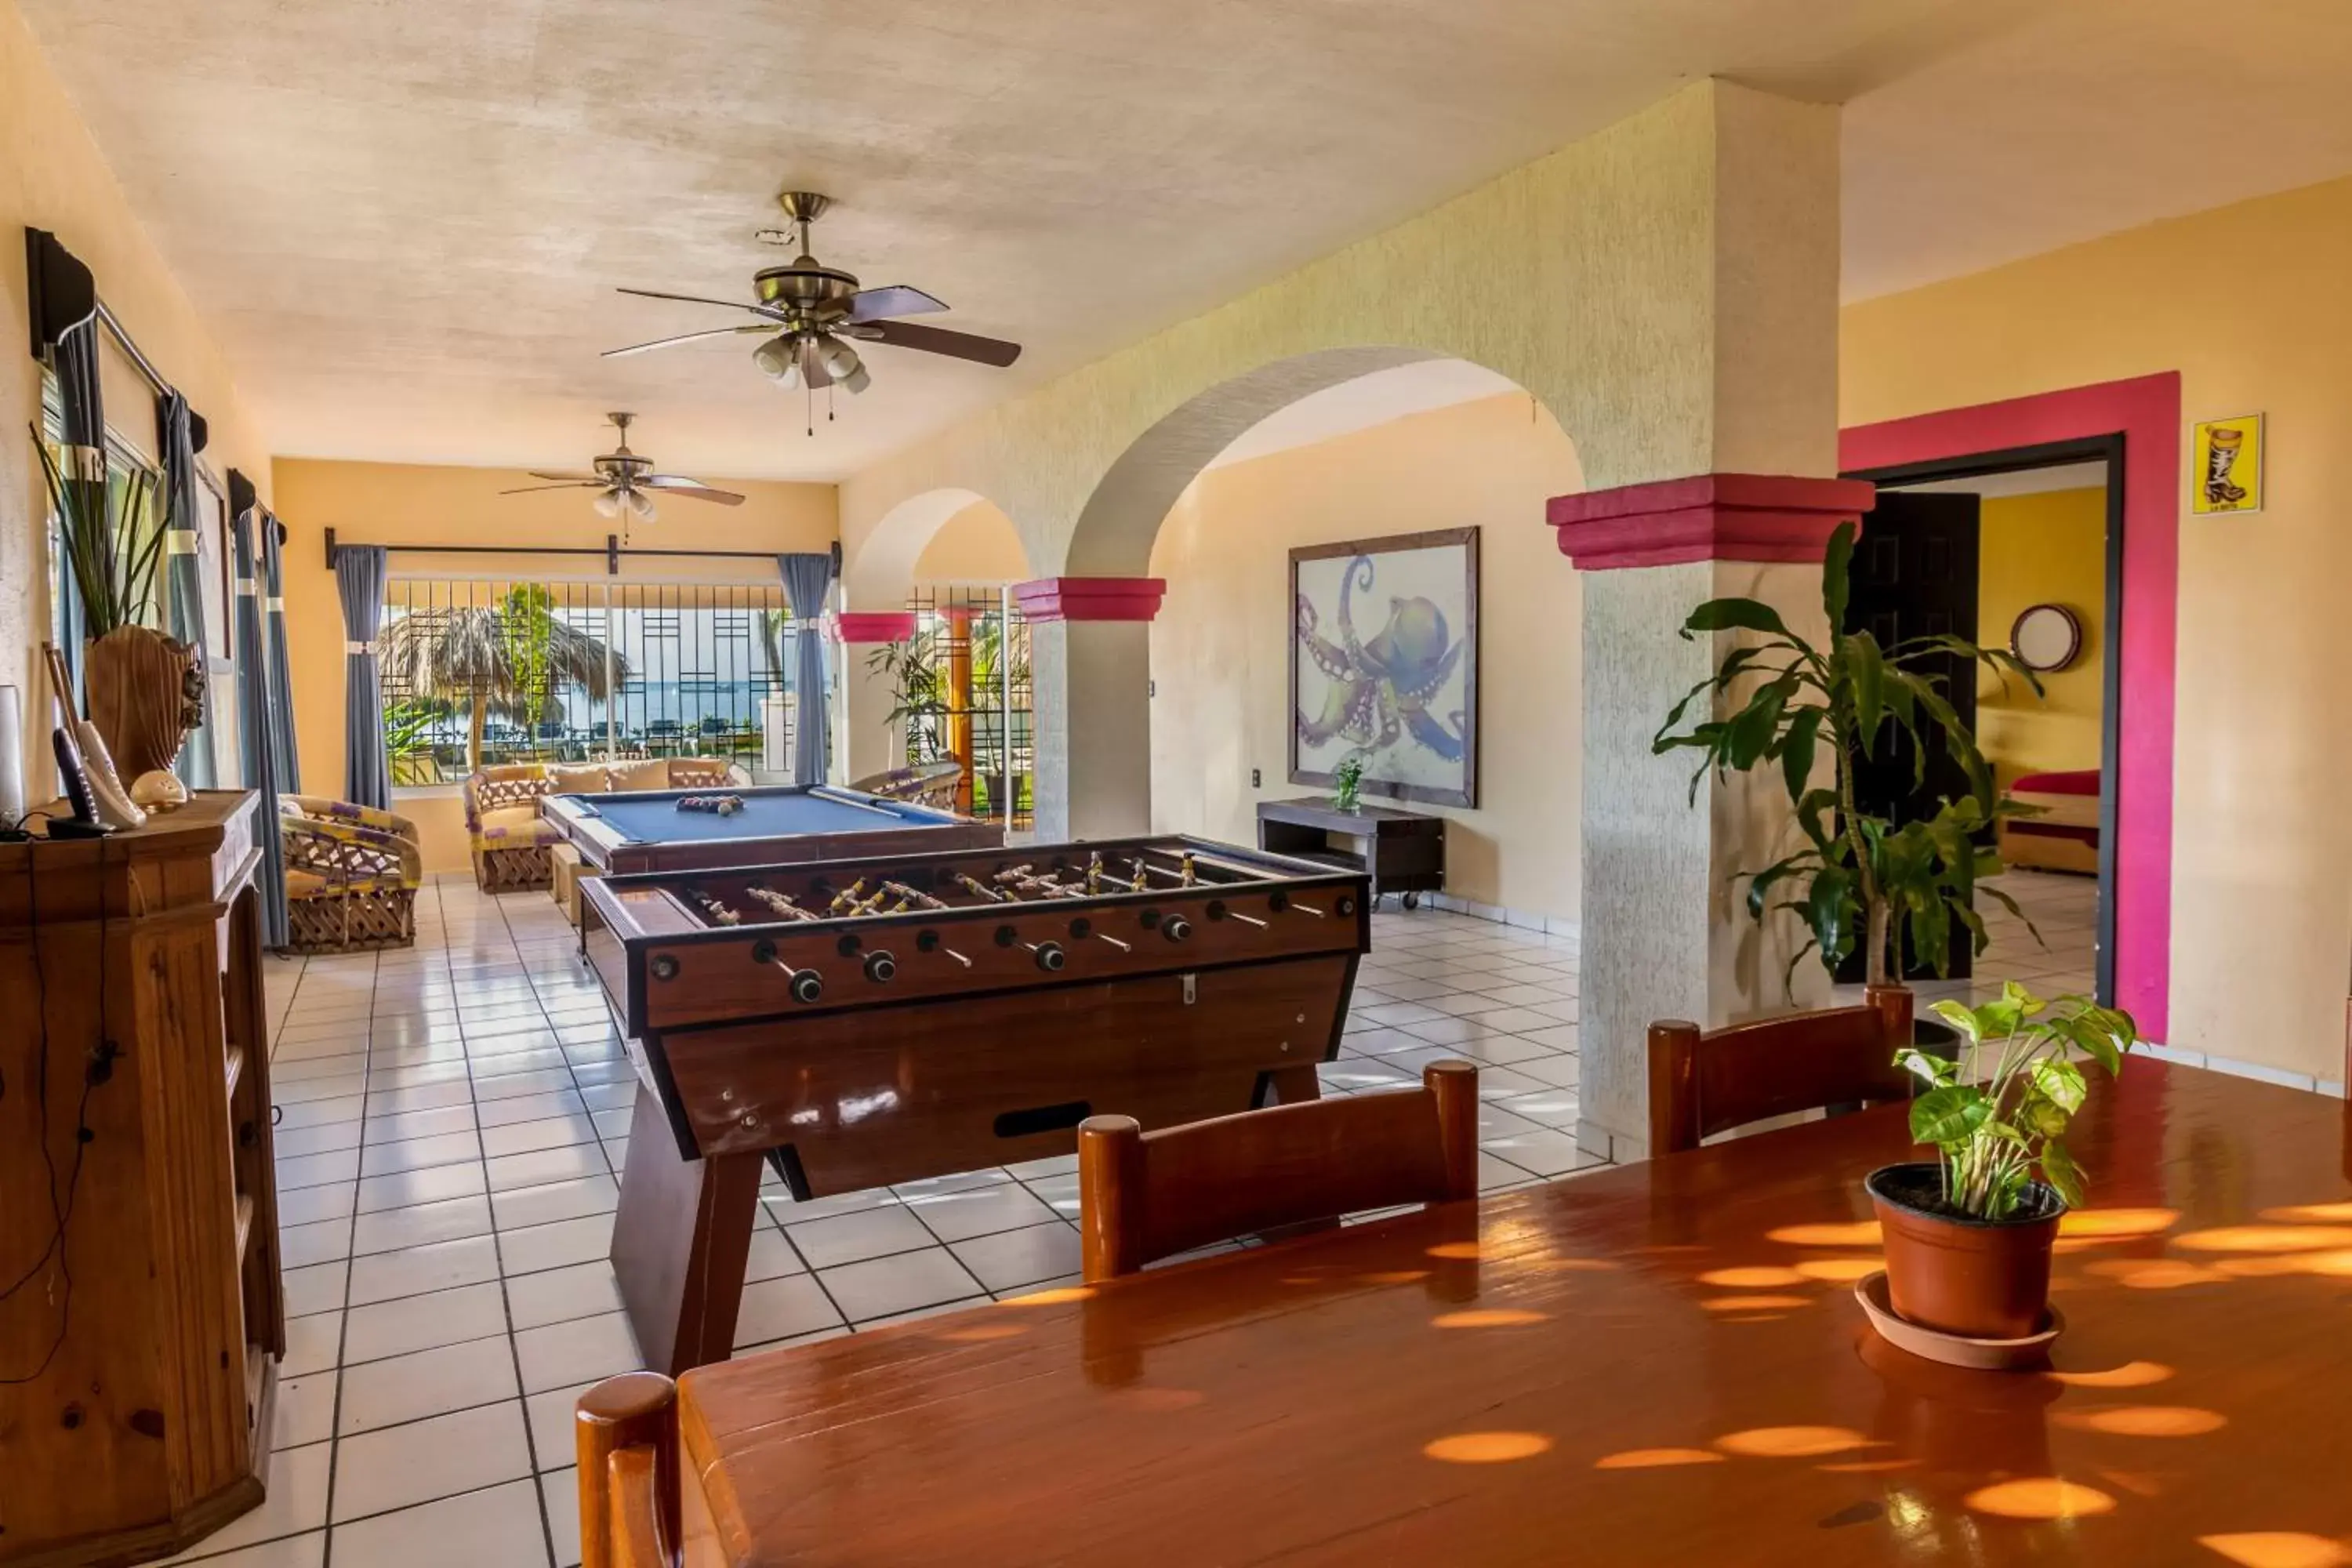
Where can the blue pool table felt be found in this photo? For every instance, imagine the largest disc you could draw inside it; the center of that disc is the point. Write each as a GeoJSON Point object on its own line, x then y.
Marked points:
{"type": "Point", "coordinates": [654, 817]}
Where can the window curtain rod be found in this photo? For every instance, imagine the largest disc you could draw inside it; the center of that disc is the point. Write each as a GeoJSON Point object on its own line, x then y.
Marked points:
{"type": "Point", "coordinates": [612, 552]}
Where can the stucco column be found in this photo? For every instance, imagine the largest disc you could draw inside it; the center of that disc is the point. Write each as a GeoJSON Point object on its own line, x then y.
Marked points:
{"type": "Point", "coordinates": [1090, 671]}
{"type": "Point", "coordinates": [1665, 929]}
{"type": "Point", "coordinates": [865, 742]}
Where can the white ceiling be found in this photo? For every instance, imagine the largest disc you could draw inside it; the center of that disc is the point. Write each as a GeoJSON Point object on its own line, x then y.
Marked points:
{"type": "Point", "coordinates": [405, 220]}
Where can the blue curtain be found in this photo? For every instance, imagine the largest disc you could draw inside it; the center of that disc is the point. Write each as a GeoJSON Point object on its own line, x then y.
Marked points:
{"type": "Point", "coordinates": [807, 579]}
{"type": "Point", "coordinates": [282, 755]}
{"type": "Point", "coordinates": [253, 731]}
{"type": "Point", "coordinates": [183, 589]}
{"type": "Point", "coordinates": [359, 572]}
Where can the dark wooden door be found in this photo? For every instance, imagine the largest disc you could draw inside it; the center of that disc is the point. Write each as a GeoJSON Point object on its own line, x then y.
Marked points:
{"type": "Point", "coordinates": [1915, 574]}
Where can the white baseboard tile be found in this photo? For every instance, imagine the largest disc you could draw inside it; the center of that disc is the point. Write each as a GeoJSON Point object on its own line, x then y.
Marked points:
{"type": "Point", "coordinates": [2306, 1081]}
{"type": "Point", "coordinates": [1525, 919]}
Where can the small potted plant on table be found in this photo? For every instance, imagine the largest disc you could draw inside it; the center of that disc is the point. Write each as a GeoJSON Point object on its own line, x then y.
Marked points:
{"type": "Point", "coordinates": [1347, 784]}
{"type": "Point", "coordinates": [1969, 1234]}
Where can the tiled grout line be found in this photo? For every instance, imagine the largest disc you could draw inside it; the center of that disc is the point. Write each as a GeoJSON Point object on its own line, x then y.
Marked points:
{"type": "Point", "coordinates": [506, 1298]}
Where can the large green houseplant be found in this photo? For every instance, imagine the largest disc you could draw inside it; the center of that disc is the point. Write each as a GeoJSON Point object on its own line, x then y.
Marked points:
{"type": "Point", "coordinates": [1859, 876]}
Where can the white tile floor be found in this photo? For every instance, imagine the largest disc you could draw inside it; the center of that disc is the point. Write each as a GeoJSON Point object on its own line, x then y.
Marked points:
{"type": "Point", "coordinates": [453, 1122]}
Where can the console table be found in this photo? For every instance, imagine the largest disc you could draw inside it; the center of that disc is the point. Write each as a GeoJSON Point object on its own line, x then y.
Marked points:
{"type": "Point", "coordinates": [139, 1357]}
{"type": "Point", "coordinates": [1403, 851]}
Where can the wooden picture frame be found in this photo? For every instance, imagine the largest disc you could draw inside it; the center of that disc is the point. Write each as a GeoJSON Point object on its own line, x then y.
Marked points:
{"type": "Point", "coordinates": [1327, 684]}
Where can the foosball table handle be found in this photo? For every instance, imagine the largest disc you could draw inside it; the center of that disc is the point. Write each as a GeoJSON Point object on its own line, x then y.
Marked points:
{"type": "Point", "coordinates": [881, 968]}
{"type": "Point", "coordinates": [806, 984]}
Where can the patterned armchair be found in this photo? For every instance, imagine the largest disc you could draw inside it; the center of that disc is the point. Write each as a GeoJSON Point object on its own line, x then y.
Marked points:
{"type": "Point", "coordinates": [352, 875]}
{"type": "Point", "coordinates": [932, 783]}
{"type": "Point", "coordinates": [510, 839]}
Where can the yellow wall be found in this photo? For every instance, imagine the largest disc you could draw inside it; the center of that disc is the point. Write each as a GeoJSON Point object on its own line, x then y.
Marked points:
{"type": "Point", "coordinates": [978, 544]}
{"type": "Point", "coordinates": [2248, 303]}
{"type": "Point", "coordinates": [1219, 648]}
{"type": "Point", "coordinates": [386, 503]}
{"type": "Point", "coordinates": [52, 177]}
{"type": "Point", "coordinates": [2046, 549]}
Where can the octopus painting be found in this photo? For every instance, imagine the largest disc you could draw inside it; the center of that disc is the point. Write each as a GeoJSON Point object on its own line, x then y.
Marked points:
{"type": "Point", "coordinates": [1380, 688]}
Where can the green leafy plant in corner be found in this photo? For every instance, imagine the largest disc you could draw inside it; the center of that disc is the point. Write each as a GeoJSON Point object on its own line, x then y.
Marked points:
{"type": "Point", "coordinates": [1860, 876]}
{"type": "Point", "coordinates": [1993, 1129]}
{"type": "Point", "coordinates": [918, 691]}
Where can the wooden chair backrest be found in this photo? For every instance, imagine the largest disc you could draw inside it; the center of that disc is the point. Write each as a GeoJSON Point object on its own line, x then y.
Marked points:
{"type": "Point", "coordinates": [625, 1430]}
{"type": "Point", "coordinates": [1703, 1083]}
{"type": "Point", "coordinates": [1144, 1196]}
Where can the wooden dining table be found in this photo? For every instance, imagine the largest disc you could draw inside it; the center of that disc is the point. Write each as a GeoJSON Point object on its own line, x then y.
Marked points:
{"type": "Point", "coordinates": [1663, 1363]}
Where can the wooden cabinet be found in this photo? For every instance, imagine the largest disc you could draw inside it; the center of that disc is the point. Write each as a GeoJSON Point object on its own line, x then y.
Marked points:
{"type": "Point", "coordinates": [1401, 851]}
{"type": "Point", "coordinates": [138, 1353]}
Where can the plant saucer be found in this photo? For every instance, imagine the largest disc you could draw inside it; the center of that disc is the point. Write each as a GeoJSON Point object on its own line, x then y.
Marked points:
{"type": "Point", "coordinates": [1954, 1349]}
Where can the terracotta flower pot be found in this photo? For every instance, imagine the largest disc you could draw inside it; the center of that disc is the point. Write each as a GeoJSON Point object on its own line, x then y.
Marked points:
{"type": "Point", "coordinates": [1986, 1279]}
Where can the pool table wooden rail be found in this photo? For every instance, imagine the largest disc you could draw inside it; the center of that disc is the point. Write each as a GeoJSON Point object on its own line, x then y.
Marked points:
{"type": "Point", "coordinates": [612, 851]}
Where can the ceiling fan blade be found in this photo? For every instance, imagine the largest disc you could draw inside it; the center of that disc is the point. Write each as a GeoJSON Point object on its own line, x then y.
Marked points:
{"type": "Point", "coordinates": [939, 341]}
{"type": "Point", "coordinates": [563, 484]}
{"type": "Point", "coordinates": [706, 299]}
{"type": "Point", "coordinates": [813, 371]}
{"type": "Point", "coordinates": [574, 479]}
{"type": "Point", "coordinates": [892, 299]}
{"type": "Point", "coordinates": [679, 485]}
{"type": "Point", "coordinates": [688, 338]}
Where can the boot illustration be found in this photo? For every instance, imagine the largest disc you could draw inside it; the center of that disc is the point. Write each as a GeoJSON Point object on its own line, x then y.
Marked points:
{"type": "Point", "coordinates": [2219, 459]}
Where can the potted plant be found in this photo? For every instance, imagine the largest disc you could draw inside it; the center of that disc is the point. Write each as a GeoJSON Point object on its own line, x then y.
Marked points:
{"type": "Point", "coordinates": [1969, 1234]}
{"type": "Point", "coordinates": [1347, 784]}
{"type": "Point", "coordinates": [1860, 876]}
{"type": "Point", "coordinates": [144, 690]}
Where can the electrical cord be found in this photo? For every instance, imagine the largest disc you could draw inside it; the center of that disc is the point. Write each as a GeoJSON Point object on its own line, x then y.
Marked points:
{"type": "Point", "coordinates": [99, 1069]}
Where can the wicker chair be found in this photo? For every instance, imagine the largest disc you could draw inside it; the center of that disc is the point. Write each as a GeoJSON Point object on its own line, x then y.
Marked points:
{"type": "Point", "coordinates": [932, 783]}
{"type": "Point", "coordinates": [510, 840]}
{"type": "Point", "coordinates": [352, 875]}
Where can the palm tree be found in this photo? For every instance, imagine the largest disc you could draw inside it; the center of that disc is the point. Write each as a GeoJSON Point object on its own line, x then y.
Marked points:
{"type": "Point", "coordinates": [508, 658]}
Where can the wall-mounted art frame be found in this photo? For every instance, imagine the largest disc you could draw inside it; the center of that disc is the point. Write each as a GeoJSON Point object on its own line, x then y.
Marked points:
{"type": "Point", "coordinates": [1384, 664]}
{"type": "Point", "coordinates": [2226, 473]}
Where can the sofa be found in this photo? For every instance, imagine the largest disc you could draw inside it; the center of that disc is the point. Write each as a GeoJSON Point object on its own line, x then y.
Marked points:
{"type": "Point", "coordinates": [2063, 834]}
{"type": "Point", "coordinates": [352, 875]}
{"type": "Point", "coordinates": [510, 839]}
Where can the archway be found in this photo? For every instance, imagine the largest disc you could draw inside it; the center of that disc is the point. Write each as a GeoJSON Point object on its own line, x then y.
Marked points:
{"type": "Point", "coordinates": [1096, 661]}
{"type": "Point", "coordinates": [952, 530]}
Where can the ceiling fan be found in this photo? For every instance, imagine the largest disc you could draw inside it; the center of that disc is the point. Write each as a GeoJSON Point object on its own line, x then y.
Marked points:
{"type": "Point", "coordinates": [809, 312]}
{"type": "Point", "coordinates": [623, 479]}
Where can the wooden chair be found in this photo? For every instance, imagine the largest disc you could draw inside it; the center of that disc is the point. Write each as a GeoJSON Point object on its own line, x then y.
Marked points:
{"type": "Point", "coordinates": [1704, 1083]}
{"type": "Point", "coordinates": [1143, 1196]}
{"type": "Point", "coordinates": [624, 1431]}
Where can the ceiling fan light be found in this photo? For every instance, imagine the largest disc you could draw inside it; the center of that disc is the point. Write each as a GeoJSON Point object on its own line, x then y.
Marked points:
{"type": "Point", "coordinates": [856, 381]}
{"type": "Point", "coordinates": [608, 503]}
{"type": "Point", "coordinates": [776, 358]}
{"type": "Point", "coordinates": [641, 507]}
{"type": "Point", "coordinates": [840, 361]}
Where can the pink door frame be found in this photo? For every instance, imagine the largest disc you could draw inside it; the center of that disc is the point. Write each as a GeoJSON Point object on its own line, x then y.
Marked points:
{"type": "Point", "coordinates": [2146, 411]}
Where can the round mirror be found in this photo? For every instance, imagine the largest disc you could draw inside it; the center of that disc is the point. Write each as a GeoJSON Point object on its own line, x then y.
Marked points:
{"type": "Point", "coordinates": [2046, 638]}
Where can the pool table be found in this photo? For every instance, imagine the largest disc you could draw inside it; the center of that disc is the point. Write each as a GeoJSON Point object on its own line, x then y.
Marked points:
{"type": "Point", "coordinates": [646, 831]}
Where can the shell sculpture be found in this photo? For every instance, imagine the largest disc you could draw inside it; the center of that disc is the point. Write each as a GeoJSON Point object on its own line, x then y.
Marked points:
{"type": "Point", "coordinates": [146, 692]}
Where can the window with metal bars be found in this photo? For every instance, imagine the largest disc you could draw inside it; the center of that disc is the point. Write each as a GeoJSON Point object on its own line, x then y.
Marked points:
{"type": "Point", "coordinates": [961, 685]}
{"type": "Point", "coordinates": [480, 671]}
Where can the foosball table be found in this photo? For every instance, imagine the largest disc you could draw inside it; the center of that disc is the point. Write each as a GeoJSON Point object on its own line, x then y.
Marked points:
{"type": "Point", "coordinates": [860, 1022]}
